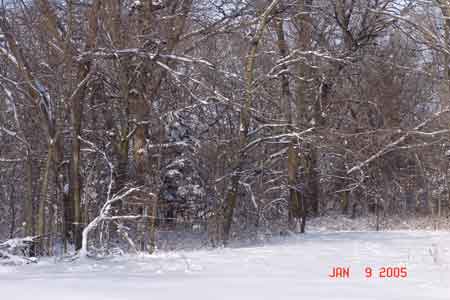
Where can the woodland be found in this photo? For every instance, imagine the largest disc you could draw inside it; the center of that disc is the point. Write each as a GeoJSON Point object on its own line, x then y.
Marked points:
{"type": "Point", "coordinates": [136, 125]}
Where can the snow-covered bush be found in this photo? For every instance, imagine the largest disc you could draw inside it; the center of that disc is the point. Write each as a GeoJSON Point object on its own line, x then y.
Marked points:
{"type": "Point", "coordinates": [16, 251]}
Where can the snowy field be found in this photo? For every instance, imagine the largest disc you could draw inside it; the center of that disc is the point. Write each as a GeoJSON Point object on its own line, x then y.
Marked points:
{"type": "Point", "coordinates": [295, 268]}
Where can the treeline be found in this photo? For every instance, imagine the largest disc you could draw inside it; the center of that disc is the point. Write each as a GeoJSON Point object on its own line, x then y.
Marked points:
{"type": "Point", "coordinates": [123, 120]}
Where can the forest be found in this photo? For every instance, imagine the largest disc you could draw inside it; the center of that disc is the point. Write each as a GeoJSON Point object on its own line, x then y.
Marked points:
{"type": "Point", "coordinates": [136, 125]}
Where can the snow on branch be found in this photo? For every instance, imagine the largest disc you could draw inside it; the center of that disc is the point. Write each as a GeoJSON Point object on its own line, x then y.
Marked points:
{"type": "Point", "coordinates": [398, 141]}
{"type": "Point", "coordinates": [169, 145]}
{"type": "Point", "coordinates": [105, 211]}
{"type": "Point", "coordinates": [83, 83]}
{"type": "Point", "coordinates": [104, 214]}
{"type": "Point", "coordinates": [298, 55]}
{"type": "Point", "coordinates": [431, 38]}
{"type": "Point", "coordinates": [16, 136]}
{"type": "Point", "coordinates": [176, 75]}
{"type": "Point", "coordinates": [103, 53]}
{"type": "Point", "coordinates": [13, 251]}
{"type": "Point", "coordinates": [17, 243]}
{"type": "Point", "coordinates": [10, 57]}
{"type": "Point", "coordinates": [11, 160]}
{"type": "Point", "coordinates": [188, 59]}
{"type": "Point", "coordinates": [296, 135]}
{"type": "Point", "coordinates": [265, 126]}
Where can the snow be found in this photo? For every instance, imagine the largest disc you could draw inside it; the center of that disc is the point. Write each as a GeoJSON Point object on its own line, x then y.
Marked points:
{"type": "Point", "coordinates": [8, 55]}
{"type": "Point", "coordinates": [8, 93]}
{"type": "Point", "coordinates": [190, 188]}
{"type": "Point", "coordinates": [66, 189]}
{"type": "Point", "coordinates": [337, 222]}
{"type": "Point", "coordinates": [290, 268]}
{"type": "Point", "coordinates": [17, 242]}
{"type": "Point", "coordinates": [11, 251]}
{"type": "Point", "coordinates": [178, 163]}
{"type": "Point", "coordinates": [173, 173]}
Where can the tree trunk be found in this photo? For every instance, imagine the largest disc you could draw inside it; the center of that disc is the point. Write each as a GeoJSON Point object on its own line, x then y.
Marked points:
{"type": "Point", "coordinates": [75, 171]}
{"type": "Point", "coordinates": [309, 161]}
{"type": "Point", "coordinates": [244, 122]}
{"type": "Point", "coordinates": [29, 200]}
{"type": "Point", "coordinates": [295, 212]}
{"type": "Point", "coordinates": [446, 12]}
{"type": "Point", "coordinates": [41, 224]}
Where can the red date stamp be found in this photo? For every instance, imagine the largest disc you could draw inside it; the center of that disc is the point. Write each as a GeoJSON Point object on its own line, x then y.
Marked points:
{"type": "Point", "coordinates": [369, 272]}
{"type": "Point", "coordinates": [387, 272]}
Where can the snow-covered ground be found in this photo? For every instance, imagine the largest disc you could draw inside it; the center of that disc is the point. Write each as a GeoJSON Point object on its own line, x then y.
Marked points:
{"type": "Point", "coordinates": [294, 268]}
{"type": "Point", "coordinates": [337, 222]}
